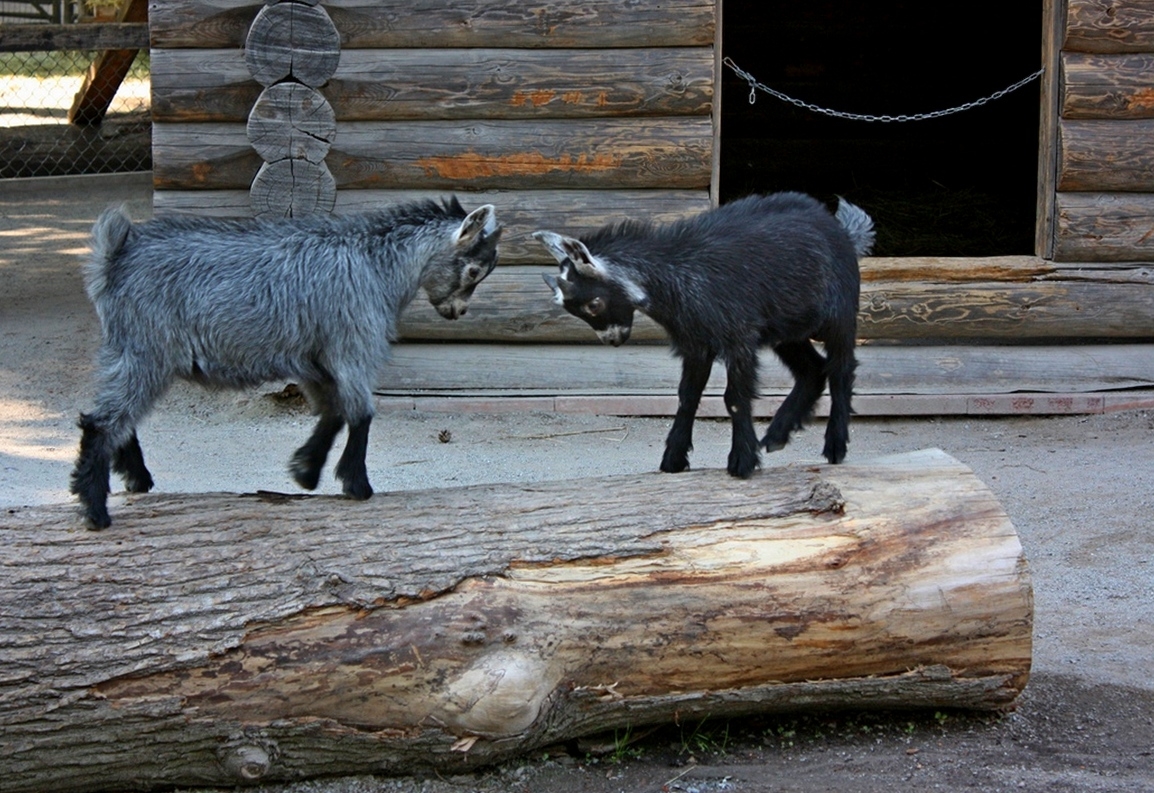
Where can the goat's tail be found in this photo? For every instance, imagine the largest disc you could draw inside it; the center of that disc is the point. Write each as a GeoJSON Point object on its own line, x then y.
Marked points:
{"type": "Point", "coordinates": [858, 224]}
{"type": "Point", "coordinates": [108, 235]}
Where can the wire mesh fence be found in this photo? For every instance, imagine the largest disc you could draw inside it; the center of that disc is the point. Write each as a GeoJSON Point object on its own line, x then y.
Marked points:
{"type": "Point", "coordinates": [37, 90]}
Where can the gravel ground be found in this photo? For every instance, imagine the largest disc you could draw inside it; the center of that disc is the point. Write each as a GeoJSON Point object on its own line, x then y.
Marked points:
{"type": "Point", "coordinates": [1080, 491]}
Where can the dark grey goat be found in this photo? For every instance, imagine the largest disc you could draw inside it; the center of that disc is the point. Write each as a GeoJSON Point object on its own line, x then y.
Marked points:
{"type": "Point", "coordinates": [235, 303]}
{"type": "Point", "coordinates": [775, 270]}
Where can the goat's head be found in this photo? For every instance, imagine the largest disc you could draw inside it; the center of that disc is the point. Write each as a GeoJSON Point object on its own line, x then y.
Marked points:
{"type": "Point", "coordinates": [592, 289]}
{"type": "Point", "coordinates": [472, 255]}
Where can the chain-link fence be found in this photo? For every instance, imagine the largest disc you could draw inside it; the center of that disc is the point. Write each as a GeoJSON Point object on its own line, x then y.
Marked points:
{"type": "Point", "coordinates": [37, 91]}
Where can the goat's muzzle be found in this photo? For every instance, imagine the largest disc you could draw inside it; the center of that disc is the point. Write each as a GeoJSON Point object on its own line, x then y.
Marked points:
{"type": "Point", "coordinates": [452, 308]}
{"type": "Point", "coordinates": [615, 335]}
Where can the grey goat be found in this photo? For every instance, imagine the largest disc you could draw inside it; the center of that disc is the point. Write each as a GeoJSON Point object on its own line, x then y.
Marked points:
{"type": "Point", "coordinates": [235, 303]}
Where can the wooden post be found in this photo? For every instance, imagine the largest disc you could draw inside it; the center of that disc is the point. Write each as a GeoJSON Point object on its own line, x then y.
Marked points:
{"type": "Point", "coordinates": [106, 73]}
{"type": "Point", "coordinates": [216, 639]}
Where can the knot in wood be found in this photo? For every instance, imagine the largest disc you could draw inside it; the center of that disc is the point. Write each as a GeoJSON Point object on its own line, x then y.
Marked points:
{"type": "Point", "coordinates": [826, 498]}
{"type": "Point", "coordinates": [247, 761]}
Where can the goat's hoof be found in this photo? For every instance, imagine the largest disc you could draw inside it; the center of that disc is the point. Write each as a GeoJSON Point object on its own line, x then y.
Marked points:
{"type": "Point", "coordinates": [742, 469]}
{"type": "Point", "coordinates": [97, 518]}
{"type": "Point", "coordinates": [671, 466]}
{"type": "Point", "coordinates": [834, 456]}
{"type": "Point", "coordinates": [361, 491]}
{"type": "Point", "coordinates": [772, 444]}
{"type": "Point", "coordinates": [134, 485]}
{"type": "Point", "coordinates": [304, 475]}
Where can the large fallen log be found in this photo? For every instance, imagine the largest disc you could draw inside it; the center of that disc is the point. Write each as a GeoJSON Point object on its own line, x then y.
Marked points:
{"type": "Point", "coordinates": [214, 639]}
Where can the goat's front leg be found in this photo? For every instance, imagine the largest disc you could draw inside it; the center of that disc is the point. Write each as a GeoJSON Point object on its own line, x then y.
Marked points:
{"type": "Point", "coordinates": [694, 375]}
{"type": "Point", "coordinates": [351, 468]}
{"type": "Point", "coordinates": [740, 391]}
{"type": "Point", "coordinates": [308, 460]}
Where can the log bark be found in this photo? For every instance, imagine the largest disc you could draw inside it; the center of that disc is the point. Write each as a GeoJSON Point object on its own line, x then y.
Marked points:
{"type": "Point", "coordinates": [216, 639]}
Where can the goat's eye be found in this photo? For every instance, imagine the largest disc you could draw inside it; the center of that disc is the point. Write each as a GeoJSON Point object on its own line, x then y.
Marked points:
{"type": "Point", "coordinates": [472, 273]}
{"type": "Point", "coordinates": [594, 307]}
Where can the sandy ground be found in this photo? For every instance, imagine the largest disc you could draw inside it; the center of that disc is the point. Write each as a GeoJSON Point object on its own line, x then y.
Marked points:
{"type": "Point", "coordinates": [1080, 491]}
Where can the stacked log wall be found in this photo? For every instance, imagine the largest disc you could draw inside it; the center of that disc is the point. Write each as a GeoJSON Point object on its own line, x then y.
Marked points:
{"type": "Point", "coordinates": [1105, 133]}
{"type": "Point", "coordinates": [587, 112]}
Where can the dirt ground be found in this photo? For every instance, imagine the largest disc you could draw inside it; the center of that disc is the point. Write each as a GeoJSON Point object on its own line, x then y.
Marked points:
{"type": "Point", "coordinates": [1080, 491]}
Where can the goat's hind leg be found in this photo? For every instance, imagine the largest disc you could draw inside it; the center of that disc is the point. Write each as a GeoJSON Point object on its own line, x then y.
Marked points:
{"type": "Point", "coordinates": [307, 462]}
{"type": "Point", "coordinates": [128, 461]}
{"type": "Point", "coordinates": [808, 369]}
{"type": "Point", "coordinates": [126, 390]}
{"type": "Point", "coordinates": [694, 375]}
{"type": "Point", "coordinates": [90, 476]}
{"type": "Point", "coordinates": [840, 365]}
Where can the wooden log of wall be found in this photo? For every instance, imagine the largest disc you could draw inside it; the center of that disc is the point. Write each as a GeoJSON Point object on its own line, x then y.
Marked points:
{"type": "Point", "coordinates": [291, 637]}
{"type": "Point", "coordinates": [292, 49]}
{"type": "Point", "coordinates": [1105, 133]}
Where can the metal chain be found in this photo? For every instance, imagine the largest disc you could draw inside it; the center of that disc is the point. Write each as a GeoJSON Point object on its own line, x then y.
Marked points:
{"type": "Point", "coordinates": [755, 86]}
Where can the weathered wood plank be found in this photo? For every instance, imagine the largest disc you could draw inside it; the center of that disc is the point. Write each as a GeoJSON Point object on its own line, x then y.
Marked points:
{"type": "Point", "coordinates": [1106, 156]}
{"type": "Point", "coordinates": [1107, 86]}
{"type": "Point", "coordinates": [460, 23]}
{"type": "Point", "coordinates": [1110, 26]}
{"type": "Point", "coordinates": [383, 85]}
{"type": "Point", "coordinates": [1105, 227]}
{"type": "Point", "coordinates": [520, 211]}
{"type": "Point", "coordinates": [96, 36]}
{"type": "Point", "coordinates": [1053, 33]}
{"type": "Point", "coordinates": [545, 154]}
{"type": "Point", "coordinates": [648, 369]}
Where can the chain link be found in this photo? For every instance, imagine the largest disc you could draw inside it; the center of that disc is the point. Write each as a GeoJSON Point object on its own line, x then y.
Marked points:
{"type": "Point", "coordinates": [755, 86]}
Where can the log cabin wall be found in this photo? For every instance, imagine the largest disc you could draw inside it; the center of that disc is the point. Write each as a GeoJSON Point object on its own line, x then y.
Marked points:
{"type": "Point", "coordinates": [583, 112]}
{"type": "Point", "coordinates": [1105, 133]}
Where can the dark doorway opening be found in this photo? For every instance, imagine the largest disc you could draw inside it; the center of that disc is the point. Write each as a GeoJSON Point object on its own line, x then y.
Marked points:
{"type": "Point", "coordinates": [960, 185]}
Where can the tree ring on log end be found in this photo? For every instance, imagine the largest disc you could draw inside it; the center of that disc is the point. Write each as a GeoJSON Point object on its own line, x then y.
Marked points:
{"type": "Point", "coordinates": [293, 188]}
{"type": "Point", "coordinates": [291, 40]}
{"type": "Point", "coordinates": [292, 120]}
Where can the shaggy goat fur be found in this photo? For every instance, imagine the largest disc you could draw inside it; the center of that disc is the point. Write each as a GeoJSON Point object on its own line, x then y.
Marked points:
{"type": "Point", "coordinates": [776, 270]}
{"type": "Point", "coordinates": [235, 303]}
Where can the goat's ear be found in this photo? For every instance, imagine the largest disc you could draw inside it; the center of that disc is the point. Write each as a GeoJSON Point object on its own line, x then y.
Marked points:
{"type": "Point", "coordinates": [561, 288]}
{"type": "Point", "coordinates": [481, 222]}
{"type": "Point", "coordinates": [567, 249]}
